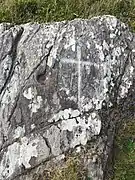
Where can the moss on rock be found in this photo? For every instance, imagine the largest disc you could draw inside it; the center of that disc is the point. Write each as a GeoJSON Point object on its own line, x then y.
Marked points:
{"type": "Point", "coordinates": [124, 168]}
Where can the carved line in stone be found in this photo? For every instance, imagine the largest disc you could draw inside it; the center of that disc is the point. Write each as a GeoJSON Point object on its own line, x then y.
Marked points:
{"type": "Point", "coordinates": [79, 75]}
{"type": "Point", "coordinates": [73, 61]}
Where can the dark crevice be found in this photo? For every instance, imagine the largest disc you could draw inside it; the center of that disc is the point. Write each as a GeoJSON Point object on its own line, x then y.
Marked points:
{"type": "Point", "coordinates": [14, 108]}
{"type": "Point", "coordinates": [118, 81]}
{"type": "Point", "coordinates": [37, 130]}
{"type": "Point", "coordinates": [13, 54]}
{"type": "Point", "coordinates": [47, 143]}
{"type": "Point", "coordinates": [125, 111]}
{"type": "Point", "coordinates": [33, 34]}
{"type": "Point", "coordinates": [9, 118]}
{"type": "Point", "coordinates": [41, 76]}
{"type": "Point", "coordinates": [44, 57]}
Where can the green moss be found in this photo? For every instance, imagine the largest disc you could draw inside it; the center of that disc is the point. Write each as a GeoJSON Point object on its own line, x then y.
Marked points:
{"type": "Point", "coordinates": [72, 170]}
{"type": "Point", "coordinates": [22, 11]}
{"type": "Point", "coordinates": [125, 155]}
{"type": "Point", "coordinates": [68, 172]}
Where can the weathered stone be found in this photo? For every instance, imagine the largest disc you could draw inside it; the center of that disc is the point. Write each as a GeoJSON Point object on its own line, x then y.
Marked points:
{"type": "Point", "coordinates": [60, 86]}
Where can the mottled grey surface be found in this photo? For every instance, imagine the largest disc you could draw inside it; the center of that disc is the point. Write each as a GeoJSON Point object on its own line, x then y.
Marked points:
{"type": "Point", "coordinates": [60, 86]}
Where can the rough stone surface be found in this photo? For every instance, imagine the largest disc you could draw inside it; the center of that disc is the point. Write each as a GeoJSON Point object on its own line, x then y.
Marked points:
{"type": "Point", "coordinates": [63, 86]}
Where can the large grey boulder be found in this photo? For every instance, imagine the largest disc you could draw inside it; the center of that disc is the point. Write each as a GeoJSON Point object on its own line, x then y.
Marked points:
{"type": "Point", "coordinates": [63, 86]}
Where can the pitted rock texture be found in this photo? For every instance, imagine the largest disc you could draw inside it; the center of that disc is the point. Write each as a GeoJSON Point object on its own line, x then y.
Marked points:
{"type": "Point", "coordinates": [60, 86]}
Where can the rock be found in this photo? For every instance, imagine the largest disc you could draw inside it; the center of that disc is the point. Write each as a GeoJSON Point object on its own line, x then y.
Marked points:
{"type": "Point", "coordinates": [63, 86]}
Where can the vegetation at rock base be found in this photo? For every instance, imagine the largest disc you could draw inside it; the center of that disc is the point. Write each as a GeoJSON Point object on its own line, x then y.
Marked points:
{"type": "Point", "coordinates": [71, 170]}
{"type": "Point", "coordinates": [22, 11]}
{"type": "Point", "coordinates": [125, 156]}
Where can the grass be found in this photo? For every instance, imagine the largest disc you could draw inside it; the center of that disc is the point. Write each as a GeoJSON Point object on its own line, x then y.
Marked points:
{"type": "Point", "coordinates": [22, 11]}
{"type": "Point", "coordinates": [125, 155]}
{"type": "Point", "coordinates": [72, 169]}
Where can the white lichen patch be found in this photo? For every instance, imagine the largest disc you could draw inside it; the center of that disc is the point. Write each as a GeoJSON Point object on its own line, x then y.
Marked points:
{"type": "Point", "coordinates": [75, 113]}
{"type": "Point", "coordinates": [35, 104]}
{"type": "Point", "coordinates": [68, 124]}
{"type": "Point", "coordinates": [27, 150]}
{"type": "Point", "coordinates": [33, 126]}
{"type": "Point", "coordinates": [71, 42]}
{"type": "Point", "coordinates": [35, 100]}
{"type": "Point", "coordinates": [105, 45]}
{"type": "Point", "coordinates": [111, 22]}
{"type": "Point", "coordinates": [65, 89]}
{"type": "Point", "coordinates": [88, 127]}
{"type": "Point", "coordinates": [87, 106]}
{"type": "Point", "coordinates": [116, 52]}
{"type": "Point", "coordinates": [95, 123]}
{"type": "Point", "coordinates": [19, 132]}
{"type": "Point", "coordinates": [131, 71]}
{"type": "Point", "coordinates": [20, 153]}
{"type": "Point", "coordinates": [127, 81]}
{"type": "Point", "coordinates": [29, 94]}
{"type": "Point", "coordinates": [124, 88]}
{"type": "Point", "coordinates": [112, 35]}
{"type": "Point", "coordinates": [60, 157]}
{"type": "Point", "coordinates": [64, 115]}
{"type": "Point", "coordinates": [78, 149]}
{"type": "Point", "coordinates": [81, 129]}
{"type": "Point", "coordinates": [79, 138]}
{"type": "Point", "coordinates": [50, 61]}
{"type": "Point", "coordinates": [100, 52]}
